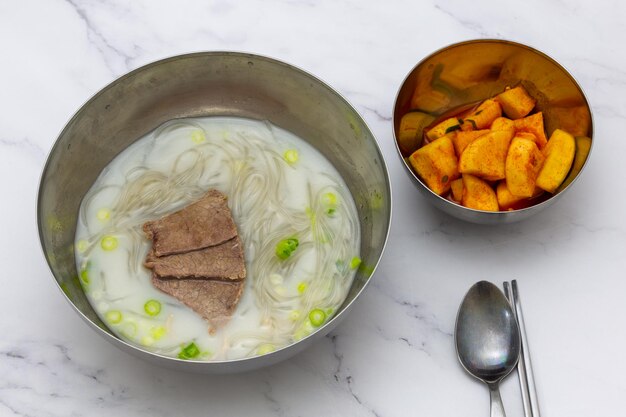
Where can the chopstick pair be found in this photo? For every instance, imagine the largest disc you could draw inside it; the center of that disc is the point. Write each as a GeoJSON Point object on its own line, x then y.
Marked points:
{"type": "Point", "coordinates": [524, 367]}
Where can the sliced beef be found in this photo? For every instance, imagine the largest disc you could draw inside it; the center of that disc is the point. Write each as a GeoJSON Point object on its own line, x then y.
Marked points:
{"type": "Point", "coordinates": [214, 300]}
{"type": "Point", "coordinates": [207, 222]}
{"type": "Point", "coordinates": [197, 258]}
{"type": "Point", "coordinates": [224, 261]}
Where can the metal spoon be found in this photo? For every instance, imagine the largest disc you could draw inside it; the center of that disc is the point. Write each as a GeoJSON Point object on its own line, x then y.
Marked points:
{"type": "Point", "coordinates": [487, 338]}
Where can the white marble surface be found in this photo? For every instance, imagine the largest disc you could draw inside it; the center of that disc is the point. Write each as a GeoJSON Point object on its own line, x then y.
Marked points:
{"type": "Point", "coordinates": [393, 356]}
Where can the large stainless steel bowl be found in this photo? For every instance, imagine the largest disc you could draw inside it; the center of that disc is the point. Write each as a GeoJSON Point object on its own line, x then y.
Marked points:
{"type": "Point", "coordinates": [203, 84]}
{"type": "Point", "coordinates": [474, 70]}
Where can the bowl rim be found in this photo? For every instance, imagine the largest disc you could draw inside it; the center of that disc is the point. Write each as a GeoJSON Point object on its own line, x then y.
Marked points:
{"type": "Point", "coordinates": [412, 173]}
{"type": "Point", "coordinates": [161, 61]}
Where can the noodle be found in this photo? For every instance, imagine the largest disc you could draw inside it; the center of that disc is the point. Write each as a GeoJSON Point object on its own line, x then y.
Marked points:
{"type": "Point", "coordinates": [244, 161]}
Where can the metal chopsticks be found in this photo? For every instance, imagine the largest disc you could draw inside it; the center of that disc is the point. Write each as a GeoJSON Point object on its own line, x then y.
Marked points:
{"type": "Point", "coordinates": [524, 367]}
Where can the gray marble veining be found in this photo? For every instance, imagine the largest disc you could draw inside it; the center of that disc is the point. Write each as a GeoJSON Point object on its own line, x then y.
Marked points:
{"type": "Point", "coordinates": [394, 355]}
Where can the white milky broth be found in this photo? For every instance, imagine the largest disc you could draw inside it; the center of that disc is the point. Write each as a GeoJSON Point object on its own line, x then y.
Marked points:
{"type": "Point", "coordinates": [278, 187]}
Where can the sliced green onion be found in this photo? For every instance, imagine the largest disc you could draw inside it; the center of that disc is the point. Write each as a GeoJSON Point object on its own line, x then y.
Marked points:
{"type": "Point", "coordinates": [355, 262]}
{"type": "Point", "coordinates": [302, 287]}
{"type": "Point", "coordinates": [113, 316]}
{"type": "Point", "coordinates": [189, 352]}
{"type": "Point", "coordinates": [109, 243]}
{"type": "Point", "coordinates": [317, 317]}
{"type": "Point", "coordinates": [81, 246]}
{"type": "Point", "coordinates": [158, 332]}
{"type": "Point", "coordinates": [294, 315]}
{"type": "Point", "coordinates": [147, 341]}
{"type": "Point", "coordinates": [285, 247]}
{"type": "Point", "coordinates": [329, 201]}
{"type": "Point", "coordinates": [84, 276]}
{"type": "Point", "coordinates": [104, 214]}
{"type": "Point", "coordinates": [366, 269]}
{"type": "Point", "coordinates": [198, 136]}
{"type": "Point", "coordinates": [291, 156]}
{"type": "Point", "coordinates": [265, 348]}
{"type": "Point", "coordinates": [152, 307]}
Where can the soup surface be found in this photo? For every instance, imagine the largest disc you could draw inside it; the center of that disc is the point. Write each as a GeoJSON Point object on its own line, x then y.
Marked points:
{"type": "Point", "coordinates": [278, 187]}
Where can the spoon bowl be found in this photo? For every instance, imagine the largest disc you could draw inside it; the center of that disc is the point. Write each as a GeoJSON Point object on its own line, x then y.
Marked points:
{"type": "Point", "coordinates": [487, 338]}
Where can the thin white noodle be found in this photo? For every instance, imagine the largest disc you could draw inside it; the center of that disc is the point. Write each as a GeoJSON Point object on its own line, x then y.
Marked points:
{"type": "Point", "coordinates": [258, 180]}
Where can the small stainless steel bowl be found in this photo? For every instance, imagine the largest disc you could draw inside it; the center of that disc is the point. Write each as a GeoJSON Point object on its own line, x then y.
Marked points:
{"type": "Point", "coordinates": [471, 71]}
{"type": "Point", "coordinates": [209, 84]}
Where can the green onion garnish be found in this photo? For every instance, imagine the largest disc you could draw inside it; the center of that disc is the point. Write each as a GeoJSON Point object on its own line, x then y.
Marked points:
{"type": "Point", "coordinates": [285, 247]}
{"type": "Point", "coordinates": [113, 316]}
{"type": "Point", "coordinates": [104, 214]}
{"type": "Point", "coordinates": [317, 317]}
{"type": "Point", "coordinates": [355, 262]}
{"type": "Point", "coordinates": [329, 202]}
{"type": "Point", "coordinates": [291, 156]}
{"type": "Point", "coordinates": [109, 243]}
{"type": "Point", "coordinates": [152, 307]}
{"type": "Point", "coordinates": [189, 352]}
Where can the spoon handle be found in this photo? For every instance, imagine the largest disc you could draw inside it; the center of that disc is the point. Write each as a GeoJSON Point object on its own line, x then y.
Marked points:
{"type": "Point", "coordinates": [497, 408]}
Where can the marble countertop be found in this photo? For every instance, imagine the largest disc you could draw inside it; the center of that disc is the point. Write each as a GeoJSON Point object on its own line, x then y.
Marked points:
{"type": "Point", "coordinates": [394, 354]}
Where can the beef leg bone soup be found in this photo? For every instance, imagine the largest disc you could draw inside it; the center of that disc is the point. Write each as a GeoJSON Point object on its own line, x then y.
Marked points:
{"type": "Point", "coordinates": [295, 218]}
